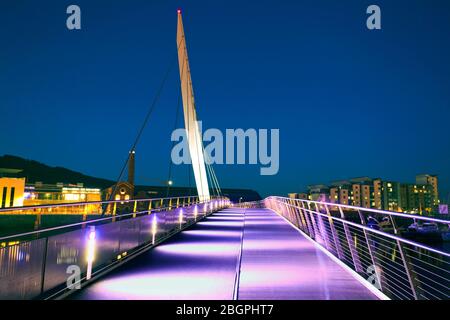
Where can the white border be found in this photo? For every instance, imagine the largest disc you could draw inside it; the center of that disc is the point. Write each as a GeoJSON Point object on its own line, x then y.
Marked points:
{"type": "Point", "coordinates": [380, 295]}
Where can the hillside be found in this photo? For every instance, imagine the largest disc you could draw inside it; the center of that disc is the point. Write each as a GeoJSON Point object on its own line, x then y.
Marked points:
{"type": "Point", "coordinates": [35, 171]}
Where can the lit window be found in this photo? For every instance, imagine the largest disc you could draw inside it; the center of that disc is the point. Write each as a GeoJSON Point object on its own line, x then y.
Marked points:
{"type": "Point", "coordinates": [72, 196]}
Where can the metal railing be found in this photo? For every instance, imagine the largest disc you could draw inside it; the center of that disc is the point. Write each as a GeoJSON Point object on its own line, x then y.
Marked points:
{"type": "Point", "coordinates": [49, 262]}
{"type": "Point", "coordinates": [399, 254]}
{"type": "Point", "coordinates": [38, 217]}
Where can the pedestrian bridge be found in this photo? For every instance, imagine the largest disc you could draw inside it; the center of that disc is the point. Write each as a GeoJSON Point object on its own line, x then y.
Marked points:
{"type": "Point", "coordinates": [234, 253]}
{"type": "Point", "coordinates": [187, 249]}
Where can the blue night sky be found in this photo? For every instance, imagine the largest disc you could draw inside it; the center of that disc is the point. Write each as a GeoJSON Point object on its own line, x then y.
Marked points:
{"type": "Point", "coordinates": [348, 101]}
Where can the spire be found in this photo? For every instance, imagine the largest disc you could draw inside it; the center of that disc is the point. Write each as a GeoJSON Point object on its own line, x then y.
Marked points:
{"type": "Point", "coordinates": [131, 168]}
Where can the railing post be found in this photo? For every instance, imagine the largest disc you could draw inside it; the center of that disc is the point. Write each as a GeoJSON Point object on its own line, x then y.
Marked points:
{"type": "Point", "coordinates": [322, 229]}
{"type": "Point", "coordinates": [355, 257]}
{"type": "Point", "coordinates": [135, 208]}
{"type": "Point", "coordinates": [85, 212]}
{"type": "Point", "coordinates": [114, 211]}
{"type": "Point", "coordinates": [337, 242]}
{"type": "Point", "coordinates": [279, 208]}
{"type": "Point", "coordinates": [302, 216]}
{"type": "Point", "coordinates": [44, 264]}
{"type": "Point", "coordinates": [317, 235]}
{"type": "Point", "coordinates": [291, 212]}
{"type": "Point", "coordinates": [308, 223]}
{"type": "Point", "coordinates": [371, 249]}
{"type": "Point", "coordinates": [406, 265]}
{"type": "Point", "coordinates": [150, 207]}
{"type": "Point", "coordinates": [297, 214]}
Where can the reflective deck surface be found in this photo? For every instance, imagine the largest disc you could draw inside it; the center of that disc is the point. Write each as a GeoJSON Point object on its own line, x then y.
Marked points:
{"type": "Point", "coordinates": [201, 262]}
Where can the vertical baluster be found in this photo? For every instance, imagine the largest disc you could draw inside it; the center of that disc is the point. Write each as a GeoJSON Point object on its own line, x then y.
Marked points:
{"type": "Point", "coordinates": [44, 265]}
{"type": "Point", "coordinates": [114, 211]}
{"type": "Point", "coordinates": [337, 242]}
{"type": "Point", "coordinates": [308, 222]}
{"type": "Point", "coordinates": [290, 210]}
{"type": "Point", "coordinates": [317, 236]}
{"type": "Point", "coordinates": [150, 207]}
{"type": "Point", "coordinates": [322, 228]}
{"type": "Point", "coordinates": [135, 208]}
{"type": "Point", "coordinates": [406, 263]}
{"type": "Point", "coordinates": [302, 215]}
{"type": "Point", "coordinates": [297, 215]}
{"type": "Point", "coordinates": [355, 257]}
{"type": "Point", "coordinates": [371, 249]}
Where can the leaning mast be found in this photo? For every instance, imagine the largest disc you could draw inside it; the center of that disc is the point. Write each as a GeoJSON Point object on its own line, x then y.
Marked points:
{"type": "Point", "coordinates": [190, 116]}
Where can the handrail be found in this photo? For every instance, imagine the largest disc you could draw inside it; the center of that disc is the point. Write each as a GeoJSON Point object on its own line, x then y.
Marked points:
{"type": "Point", "coordinates": [391, 213]}
{"type": "Point", "coordinates": [385, 234]}
{"type": "Point", "coordinates": [74, 204]}
{"type": "Point", "coordinates": [93, 221]}
{"type": "Point", "coordinates": [400, 268]}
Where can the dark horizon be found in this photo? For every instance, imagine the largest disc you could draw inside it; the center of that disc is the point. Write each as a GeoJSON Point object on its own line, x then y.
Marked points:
{"type": "Point", "coordinates": [348, 102]}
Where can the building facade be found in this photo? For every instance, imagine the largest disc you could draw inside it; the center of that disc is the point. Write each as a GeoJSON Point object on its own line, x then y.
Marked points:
{"type": "Point", "coordinates": [40, 193]}
{"type": "Point", "coordinates": [421, 197]}
{"type": "Point", "coordinates": [11, 192]}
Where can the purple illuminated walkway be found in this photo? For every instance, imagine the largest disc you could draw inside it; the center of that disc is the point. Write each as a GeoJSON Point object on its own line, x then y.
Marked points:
{"type": "Point", "coordinates": [280, 263]}
{"type": "Point", "coordinates": [201, 263]}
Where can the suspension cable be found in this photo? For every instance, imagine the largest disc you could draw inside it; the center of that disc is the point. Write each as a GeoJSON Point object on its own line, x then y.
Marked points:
{"type": "Point", "coordinates": [144, 124]}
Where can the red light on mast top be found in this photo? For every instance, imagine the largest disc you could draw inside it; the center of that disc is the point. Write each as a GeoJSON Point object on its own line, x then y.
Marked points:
{"type": "Point", "coordinates": [179, 11]}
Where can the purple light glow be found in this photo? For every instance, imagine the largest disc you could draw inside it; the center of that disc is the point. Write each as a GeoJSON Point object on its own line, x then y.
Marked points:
{"type": "Point", "coordinates": [222, 214]}
{"type": "Point", "coordinates": [276, 263]}
{"type": "Point", "coordinates": [286, 244]}
{"type": "Point", "coordinates": [226, 218]}
{"type": "Point", "coordinates": [90, 251]}
{"type": "Point", "coordinates": [91, 235]}
{"type": "Point", "coordinates": [258, 223]}
{"type": "Point", "coordinates": [213, 248]}
{"type": "Point", "coordinates": [221, 224]}
{"type": "Point", "coordinates": [281, 275]}
{"type": "Point", "coordinates": [213, 233]}
{"type": "Point", "coordinates": [173, 285]}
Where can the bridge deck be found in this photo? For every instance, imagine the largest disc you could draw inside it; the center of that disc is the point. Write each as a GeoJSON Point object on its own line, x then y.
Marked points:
{"type": "Point", "coordinates": [200, 263]}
